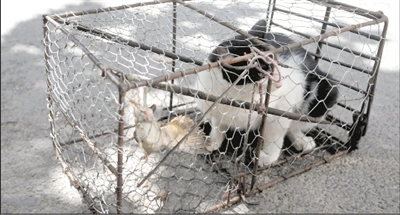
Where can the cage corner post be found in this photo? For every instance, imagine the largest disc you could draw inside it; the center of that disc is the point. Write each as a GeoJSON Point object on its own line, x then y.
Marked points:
{"type": "Point", "coordinates": [361, 118]}
{"type": "Point", "coordinates": [270, 14]}
{"type": "Point", "coordinates": [46, 43]}
{"type": "Point", "coordinates": [323, 30]}
{"type": "Point", "coordinates": [263, 133]}
{"type": "Point", "coordinates": [375, 69]}
{"type": "Point", "coordinates": [174, 23]}
{"type": "Point", "coordinates": [122, 89]}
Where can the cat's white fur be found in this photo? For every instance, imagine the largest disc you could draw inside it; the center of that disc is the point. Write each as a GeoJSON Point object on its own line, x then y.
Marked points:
{"type": "Point", "coordinates": [289, 97]}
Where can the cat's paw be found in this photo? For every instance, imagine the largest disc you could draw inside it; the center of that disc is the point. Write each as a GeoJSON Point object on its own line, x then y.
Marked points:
{"type": "Point", "coordinates": [212, 145]}
{"type": "Point", "coordinates": [215, 140]}
{"type": "Point", "coordinates": [305, 144]}
{"type": "Point", "coordinates": [266, 159]}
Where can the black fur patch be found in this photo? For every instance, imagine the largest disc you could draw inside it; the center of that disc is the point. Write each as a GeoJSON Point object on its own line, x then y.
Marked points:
{"type": "Point", "coordinates": [234, 140]}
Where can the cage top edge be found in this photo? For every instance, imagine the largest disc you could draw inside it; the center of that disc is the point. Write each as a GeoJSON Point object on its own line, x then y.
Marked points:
{"type": "Point", "coordinates": [376, 15]}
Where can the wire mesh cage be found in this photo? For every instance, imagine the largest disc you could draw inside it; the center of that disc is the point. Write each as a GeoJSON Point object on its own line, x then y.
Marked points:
{"type": "Point", "coordinates": [190, 106]}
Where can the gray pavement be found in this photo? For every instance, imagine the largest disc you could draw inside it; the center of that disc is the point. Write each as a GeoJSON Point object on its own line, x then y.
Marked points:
{"type": "Point", "coordinates": [32, 180]}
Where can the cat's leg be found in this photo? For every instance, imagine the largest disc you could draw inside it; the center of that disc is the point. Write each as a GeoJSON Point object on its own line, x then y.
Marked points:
{"type": "Point", "coordinates": [298, 139]}
{"type": "Point", "coordinates": [275, 128]}
{"type": "Point", "coordinates": [217, 135]}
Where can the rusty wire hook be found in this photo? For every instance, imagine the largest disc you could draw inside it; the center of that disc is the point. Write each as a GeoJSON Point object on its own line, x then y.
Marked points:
{"type": "Point", "coordinates": [268, 58]}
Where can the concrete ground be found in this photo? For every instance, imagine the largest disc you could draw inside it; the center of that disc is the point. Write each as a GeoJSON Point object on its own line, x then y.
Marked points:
{"type": "Point", "coordinates": [32, 180]}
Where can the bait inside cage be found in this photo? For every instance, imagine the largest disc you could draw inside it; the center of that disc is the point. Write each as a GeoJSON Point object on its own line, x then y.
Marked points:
{"type": "Point", "coordinates": [97, 60]}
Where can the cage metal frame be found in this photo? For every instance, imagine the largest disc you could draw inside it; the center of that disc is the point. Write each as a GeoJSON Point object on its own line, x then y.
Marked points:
{"type": "Point", "coordinates": [124, 83]}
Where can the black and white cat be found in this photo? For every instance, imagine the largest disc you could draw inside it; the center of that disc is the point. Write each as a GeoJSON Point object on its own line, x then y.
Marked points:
{"type": "Point", "coordinates": [299, 91]}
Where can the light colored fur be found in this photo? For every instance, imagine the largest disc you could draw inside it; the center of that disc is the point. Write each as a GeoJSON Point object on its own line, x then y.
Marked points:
{"type": "Point", "coordinates": [289, 97]}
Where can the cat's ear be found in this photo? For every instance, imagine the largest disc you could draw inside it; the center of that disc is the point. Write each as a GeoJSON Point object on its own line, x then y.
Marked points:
{"type": "Point", "coordinates": [222, 50]}
{"type": "Point", "coordinates": [153, 107]}
{"type": "Point", "coordinates": [148, 113]}
{"type": "Point", "coordinates": [259, 29]}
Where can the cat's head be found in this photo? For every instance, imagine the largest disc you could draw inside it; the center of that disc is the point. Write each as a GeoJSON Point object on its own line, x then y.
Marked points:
{"type": "Point", "coordinates": [239, 46]}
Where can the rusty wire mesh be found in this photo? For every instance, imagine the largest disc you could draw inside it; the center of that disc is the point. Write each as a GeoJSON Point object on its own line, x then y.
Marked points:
{"type": "Point", "coordinates": [152, 52]}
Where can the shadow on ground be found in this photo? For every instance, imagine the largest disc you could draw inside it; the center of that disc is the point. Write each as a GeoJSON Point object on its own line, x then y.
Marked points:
{"type": "Point", "coordinates": [31, 177]}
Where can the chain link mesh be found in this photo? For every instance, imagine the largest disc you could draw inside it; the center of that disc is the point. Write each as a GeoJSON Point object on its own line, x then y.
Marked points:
{"type": "Point", "coordinates": [146, 44]}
